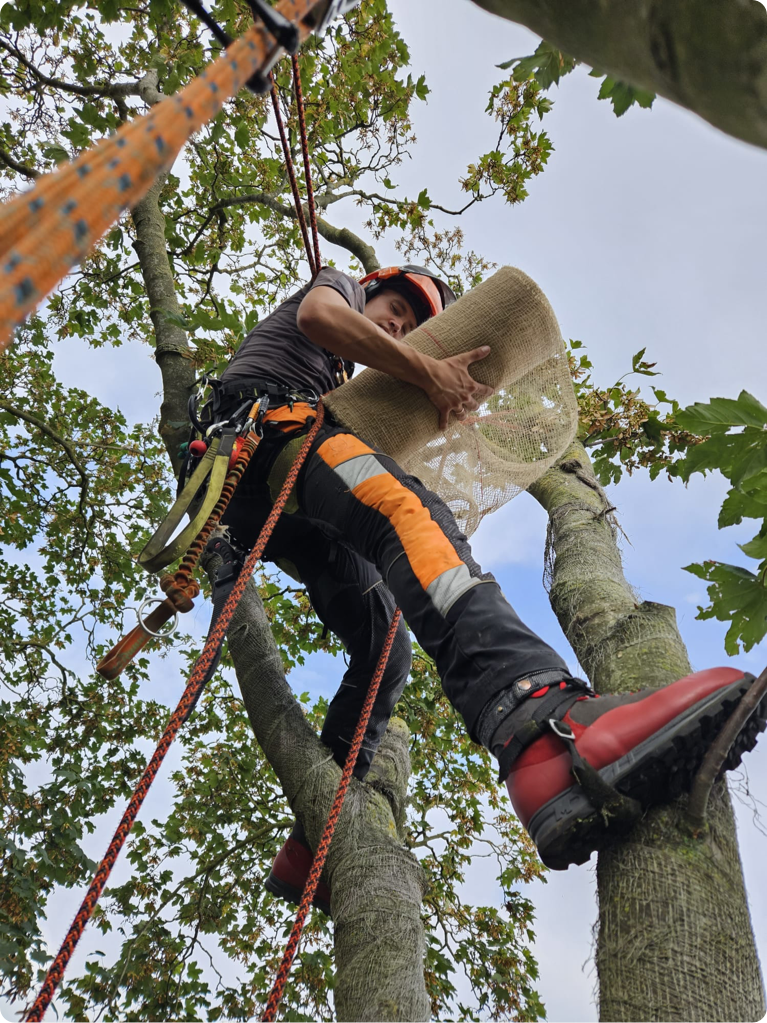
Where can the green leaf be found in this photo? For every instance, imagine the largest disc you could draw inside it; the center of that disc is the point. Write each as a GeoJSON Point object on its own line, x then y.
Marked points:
{"type": "Point", "coordinates": [719, 414]}
{"type": "Point", "coordinates": [736, 596]}
{"type": "Point", "coordinates": [548, 64]}
{"type": "Point", "coordinates": [56, 153]}
{"type": "Point", "coordinates": [756, 548]}
{"type": "Point", "coordinates": [423, 199]}
{"type": "Point", "coordinates": [622, 95]}
{"type": "Point", "coordinates": [242, 136]}
{"type": "Point", "coordinates": [739, 505]}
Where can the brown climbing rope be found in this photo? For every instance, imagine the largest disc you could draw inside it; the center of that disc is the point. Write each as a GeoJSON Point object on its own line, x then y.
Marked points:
{"type": "Point", "coordinates": [312, 247]}
{"type": "Point", "coordinates": [307, 165]}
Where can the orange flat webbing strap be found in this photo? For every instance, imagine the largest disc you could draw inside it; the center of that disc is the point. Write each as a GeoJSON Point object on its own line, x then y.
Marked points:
{"type": "Point", "coordinates": [270, 1013]}
{"type": "Point", "coordinates": [52, 227]}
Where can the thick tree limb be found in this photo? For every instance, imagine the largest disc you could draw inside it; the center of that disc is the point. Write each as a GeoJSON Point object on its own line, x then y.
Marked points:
{"type": "Point", "coordinates": [171, 344]}
{"type": "Point", "coordinates": [707, 55]}
{"type": "Point", "coordinates": [376, 883]}
{"type": "Point", "coordinates": [661, 893]}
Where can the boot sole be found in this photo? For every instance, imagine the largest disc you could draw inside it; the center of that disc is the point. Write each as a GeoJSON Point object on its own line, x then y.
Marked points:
{"type": "Point", "coordinates": [569, 828]}
{"type": "Point", "coordinates": [286, 891]}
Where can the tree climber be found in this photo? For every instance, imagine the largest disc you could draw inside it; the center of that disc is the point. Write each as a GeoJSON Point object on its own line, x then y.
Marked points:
{"type": "Point", "coordinates": [362, 535]}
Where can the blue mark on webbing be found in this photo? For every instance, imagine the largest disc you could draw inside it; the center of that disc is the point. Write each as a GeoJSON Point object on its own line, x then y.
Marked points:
{"type": "Point", "coordinates": [24, 290]}
{"type": "Point", "coordinates": [12, 263]}
{"type": "Point", "coordinates": [36, 204]}
{"type": "Point", "coordinates": [81, 230]}
{"type": "Point", "coordinates": [160, 143]}
{"type": "Point", "coordinates": [213, 87]}
{"type": "Point", "coordinates": [85, 169]}
{"type": "Point", "coordinates": [124, 182]}
{"type": "Point", "coordinates": [114, 163]}
{"type": "Point", "coordinates": [121, 142]}
{"type": "Point", "coordinates": [189, 112]}
{"type": "Point", "coordinates": [69, 206]}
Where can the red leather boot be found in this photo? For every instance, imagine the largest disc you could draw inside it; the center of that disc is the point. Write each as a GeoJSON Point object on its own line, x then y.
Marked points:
{"type": "Point", "coordinates": [290, 870]}
{"type": "Point", "coordinates": [581, 769]}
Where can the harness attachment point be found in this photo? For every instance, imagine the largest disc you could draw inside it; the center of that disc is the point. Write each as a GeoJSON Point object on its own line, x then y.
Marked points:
{"type": "Point", "coordinates": [151, 632]}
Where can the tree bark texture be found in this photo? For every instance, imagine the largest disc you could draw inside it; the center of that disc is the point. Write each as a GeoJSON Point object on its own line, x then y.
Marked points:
{"type": "Point", "coordinates": [171, 343]}
{"type": "Point", "coordinates": [674, 935]}
{"type": "Point", "coordinates": [377, 884]}
{"type": "Point", "coordinates": [707, 55]}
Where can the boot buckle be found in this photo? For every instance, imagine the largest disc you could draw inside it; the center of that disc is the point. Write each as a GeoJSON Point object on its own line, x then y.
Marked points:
{"type": "Point", "coordinates": [617, 810]}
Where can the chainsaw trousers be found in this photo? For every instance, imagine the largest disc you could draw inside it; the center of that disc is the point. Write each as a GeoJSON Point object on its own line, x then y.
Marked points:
{"type": "Point", "coordinates": [365, 536]}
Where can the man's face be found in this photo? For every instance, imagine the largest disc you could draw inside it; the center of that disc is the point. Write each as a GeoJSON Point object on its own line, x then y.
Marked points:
{"type": "Point", "coordinates": [392, 312]}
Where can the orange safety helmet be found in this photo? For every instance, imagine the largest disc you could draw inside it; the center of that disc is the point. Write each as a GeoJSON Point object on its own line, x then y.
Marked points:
{"type": "Point", "coordinates": [431, 294]}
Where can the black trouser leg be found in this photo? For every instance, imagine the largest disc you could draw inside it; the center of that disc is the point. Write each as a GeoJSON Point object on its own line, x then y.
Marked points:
{"type": "Point", "coordinates": [349, 598]}
{"type": "Point", "coordinates": [459, 615]}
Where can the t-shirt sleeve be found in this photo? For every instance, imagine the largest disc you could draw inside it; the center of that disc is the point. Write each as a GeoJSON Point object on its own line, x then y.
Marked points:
{"type": "Point", "coordinates": [345, 286]}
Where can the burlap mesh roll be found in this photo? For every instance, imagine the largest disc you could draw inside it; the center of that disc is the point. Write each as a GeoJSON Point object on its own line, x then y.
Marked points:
{"type": "Point", "coordinates": [479, 464]}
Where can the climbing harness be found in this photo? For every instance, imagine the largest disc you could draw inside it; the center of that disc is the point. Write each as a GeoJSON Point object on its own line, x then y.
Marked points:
{"type": "Point", "coordinates": [45, 231]}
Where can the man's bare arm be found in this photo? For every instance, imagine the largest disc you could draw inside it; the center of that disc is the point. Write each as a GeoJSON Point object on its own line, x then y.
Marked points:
{"type": "Point", "coordinates": [328, 321]}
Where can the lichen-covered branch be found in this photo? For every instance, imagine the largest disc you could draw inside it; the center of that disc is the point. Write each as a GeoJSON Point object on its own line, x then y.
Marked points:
{"type": "Point", "coordinates": [171, 343]}
{"type": "Point", "coordinates": [666, 899]}
{"type": "Point", "coordinates": [376, 883]}
{"type": "Point", "coordinates": [708, 57]}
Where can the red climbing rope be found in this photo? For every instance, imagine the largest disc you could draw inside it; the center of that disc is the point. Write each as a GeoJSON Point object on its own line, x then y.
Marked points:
{"type": "Point", "coordinates": [292, 178]}
{"type": "Point", "coordinates": [194, 687]}
{"type": "Point", "coordinates": [307, 165]}
{"type": "Point", "coordinates": [312, 246]}
{"type": "Point", "coordinates": [327, 835]}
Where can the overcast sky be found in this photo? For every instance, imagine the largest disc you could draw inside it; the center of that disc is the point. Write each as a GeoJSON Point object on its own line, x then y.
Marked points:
{"type": "Point", "coordinates": [644, 231]}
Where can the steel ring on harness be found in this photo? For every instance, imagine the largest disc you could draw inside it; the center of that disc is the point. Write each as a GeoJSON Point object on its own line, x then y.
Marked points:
{"type": "Point", "coordinates": [149, 632]}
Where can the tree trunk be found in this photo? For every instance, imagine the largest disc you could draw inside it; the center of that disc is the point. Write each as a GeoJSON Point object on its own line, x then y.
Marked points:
{"type": "Point", "coordinates": [707, 55]}
{"type": "Point", "coordinates": [171, 344]}
{"type": "Point", "coordinates": [675, 939]}
{"type": "Point", "coordinates": [377, 885]}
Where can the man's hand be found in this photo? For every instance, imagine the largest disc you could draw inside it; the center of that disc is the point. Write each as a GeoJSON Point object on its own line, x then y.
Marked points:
{"type": "Point", "coordinates": [450, 386]}
{"type": "Point", "coordinates": [326, 318]}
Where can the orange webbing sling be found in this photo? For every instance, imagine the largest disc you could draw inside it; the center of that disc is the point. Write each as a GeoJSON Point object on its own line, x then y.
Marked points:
{"type": "Point", "coordinates": [49, 229]}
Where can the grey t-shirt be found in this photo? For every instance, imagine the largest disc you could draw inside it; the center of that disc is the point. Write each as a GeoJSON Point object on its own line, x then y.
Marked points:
{"type": "Point", "coordinates": [277, 350]}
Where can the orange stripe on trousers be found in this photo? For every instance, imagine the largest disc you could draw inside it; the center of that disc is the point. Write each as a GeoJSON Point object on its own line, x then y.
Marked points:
{"type": "Point", "coordinates": [428, 550]}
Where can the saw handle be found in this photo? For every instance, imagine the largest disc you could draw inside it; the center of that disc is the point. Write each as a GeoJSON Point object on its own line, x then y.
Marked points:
{"type": "Point", "coordinates": [113, 663]}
